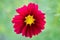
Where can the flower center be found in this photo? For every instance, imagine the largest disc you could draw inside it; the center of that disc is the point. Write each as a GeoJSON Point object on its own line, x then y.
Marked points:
{"type": "Point", "coordinates": [29, 20]}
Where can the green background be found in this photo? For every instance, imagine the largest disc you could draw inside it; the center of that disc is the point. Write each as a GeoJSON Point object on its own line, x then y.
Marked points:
{"type": "Point", "coordinates": [50, 7]}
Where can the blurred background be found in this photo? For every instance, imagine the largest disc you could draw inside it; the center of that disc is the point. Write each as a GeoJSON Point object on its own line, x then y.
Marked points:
{"type": "Point", "coordinates": [50, 7]}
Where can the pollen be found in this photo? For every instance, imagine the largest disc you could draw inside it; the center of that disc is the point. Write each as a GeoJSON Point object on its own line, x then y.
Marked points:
{"type": "Point", "coordinates": [29, 20]}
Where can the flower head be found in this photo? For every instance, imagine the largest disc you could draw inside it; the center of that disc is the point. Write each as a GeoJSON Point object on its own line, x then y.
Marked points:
{"type": "Point", "coordinates": [30, 20]}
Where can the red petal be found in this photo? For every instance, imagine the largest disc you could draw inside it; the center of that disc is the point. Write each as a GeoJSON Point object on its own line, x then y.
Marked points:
{"type": "Point", "coordinates": [18, 17]}
{"type": "Point", "coordinates": [32, 7]}
{"type": "Point", "coordinates": [24, 30]}
{"type": "Point", "coordinates": [36, 30]}
{"type": "Point", "coordinates": [22, 11]}
{"type": "Point", "coordinates": [19, 28]}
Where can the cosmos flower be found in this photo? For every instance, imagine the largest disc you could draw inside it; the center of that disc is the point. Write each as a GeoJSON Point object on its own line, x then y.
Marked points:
{"type": "Point", "coordinates": [29, 21]}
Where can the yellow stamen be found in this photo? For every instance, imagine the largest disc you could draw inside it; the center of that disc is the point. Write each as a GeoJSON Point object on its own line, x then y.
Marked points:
{"type": "Point", "coordinates": [29, 20]}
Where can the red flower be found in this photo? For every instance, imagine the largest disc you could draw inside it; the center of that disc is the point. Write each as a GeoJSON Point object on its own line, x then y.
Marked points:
{"type": "Point", "coordinates": [30, 20]}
